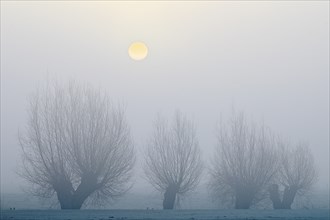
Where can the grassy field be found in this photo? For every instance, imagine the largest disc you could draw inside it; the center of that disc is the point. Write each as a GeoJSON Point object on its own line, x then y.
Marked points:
{"type": "Point", "coordinates": [317, 214]}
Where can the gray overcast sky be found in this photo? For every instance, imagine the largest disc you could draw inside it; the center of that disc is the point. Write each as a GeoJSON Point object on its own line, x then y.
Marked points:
{"type": "Point", "coordinates": [270, 59]}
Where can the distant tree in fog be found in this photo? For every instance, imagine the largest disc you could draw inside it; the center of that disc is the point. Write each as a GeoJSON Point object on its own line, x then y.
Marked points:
{"type": "Point", "coordinates": [296, 175]}
{"type": "Point", "coordinates": [173, 163]}
{"type": "Point", "coordinates": [244, 163]}
{"type": "Point", "coordinates": [76, 145]}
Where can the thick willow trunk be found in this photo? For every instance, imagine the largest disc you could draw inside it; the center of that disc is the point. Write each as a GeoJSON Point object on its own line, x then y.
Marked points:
{"type": "Point", "coordinates": [243, 199]}
{"type": "Point", "coordinates": [169, 197]}
{"type": "Point", "coordinates": [64, 191]}
{"type": "Point", "coordinates": [70, 199]}
{"type": "Point", "coordinates": [242, 203]}
{"type": "Point", "coordinates": [288, 197]}
{"type": "Point", "coordinates": [65, 199]}
{"type": "Point", "coordinates": [275, 196]}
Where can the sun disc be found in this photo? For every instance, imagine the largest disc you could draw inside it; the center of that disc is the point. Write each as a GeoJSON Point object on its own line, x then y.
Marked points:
{"type": "Point", "coordinates": [138, 51]}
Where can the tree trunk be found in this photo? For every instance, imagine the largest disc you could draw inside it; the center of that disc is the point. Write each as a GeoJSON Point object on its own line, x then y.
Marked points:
{"type": "Point", "coordinates": [70, 199]}
{"type": "Point", "coordinates": [242, 203]}
{"type": "Point", "coordinates": [243, 199]}
{"type": "Point", "coordinates": [169, 197]}
{"type": "Point", "coordinates": [64, 191]}
{"type": "Point", "coordinates": [275, 196]}
{"type": "Point", "coordinates": [288, 196]}
{"type": "Point", "coordinates": [65, 199]}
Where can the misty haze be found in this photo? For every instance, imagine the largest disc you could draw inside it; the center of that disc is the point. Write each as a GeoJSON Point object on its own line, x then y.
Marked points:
{"type": "Point", "coordinates": [164, 110]}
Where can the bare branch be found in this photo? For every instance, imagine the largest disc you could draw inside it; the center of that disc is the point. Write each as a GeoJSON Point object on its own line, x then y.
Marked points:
{"type": "Point", "coordinates": [245, 162]}
{"type": "Point", "coordinates": [76, 144]}
{"type": "Point", "coordinates": [172, 161]}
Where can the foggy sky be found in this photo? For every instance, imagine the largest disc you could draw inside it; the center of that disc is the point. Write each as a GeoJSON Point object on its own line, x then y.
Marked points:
{"type": "Point", "coordinates": [269, 59]}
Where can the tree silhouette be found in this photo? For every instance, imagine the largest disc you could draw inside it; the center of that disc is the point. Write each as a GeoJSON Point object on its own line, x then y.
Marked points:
{"type": "Point", "coordinates": [173, 164]}
{"type": "Point", "coordinates": [296, 175]}
{"type": "Point", "coordinates": [76, 145]}
{"type": "Point", "coordinates": [244, 163]}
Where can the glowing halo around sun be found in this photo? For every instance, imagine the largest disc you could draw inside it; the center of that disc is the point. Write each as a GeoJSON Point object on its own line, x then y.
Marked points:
{"type": "Point", "coordinates": [138, 51]}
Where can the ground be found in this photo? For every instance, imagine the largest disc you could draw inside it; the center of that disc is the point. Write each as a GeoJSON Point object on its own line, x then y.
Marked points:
{"type": "Point", "coordinates": [319, 214]}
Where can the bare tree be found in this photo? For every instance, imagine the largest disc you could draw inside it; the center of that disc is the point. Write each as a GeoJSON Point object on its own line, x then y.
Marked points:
{"type": "Point", "coordinates": [173, 163]}
{"type": "Point", "coordinates": [244, 163]}
{"type": "Point", "coordinates": [296, 175]}
{"type": "Point", "coordinates": [76, 145]}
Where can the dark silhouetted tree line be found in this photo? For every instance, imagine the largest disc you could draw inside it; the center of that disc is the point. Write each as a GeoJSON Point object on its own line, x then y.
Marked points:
{"type": "Point", "coordinates": [251, 164]}
{"type": "Point", "coordinates": [77, 146]}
